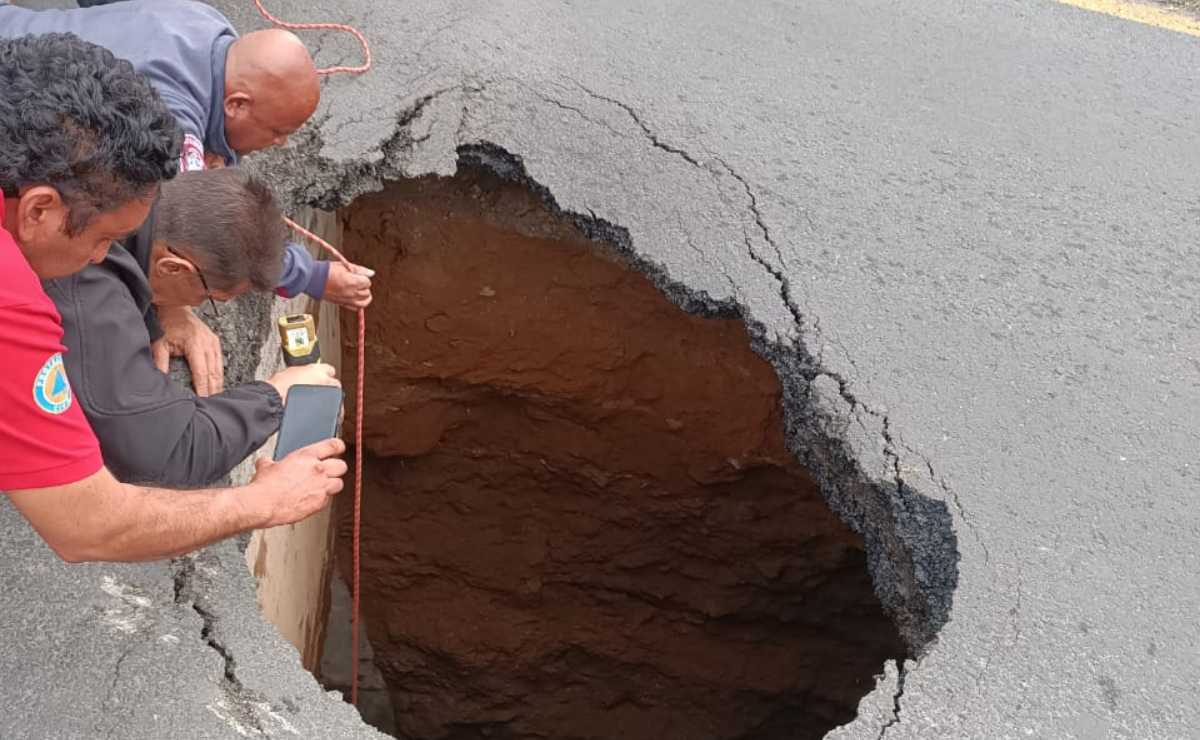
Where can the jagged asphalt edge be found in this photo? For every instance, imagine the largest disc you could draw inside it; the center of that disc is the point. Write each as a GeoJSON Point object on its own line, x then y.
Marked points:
{"type": "Point", "coordinates": [911, 543]}
{"type": "Point", "coordinates": [921, 608]}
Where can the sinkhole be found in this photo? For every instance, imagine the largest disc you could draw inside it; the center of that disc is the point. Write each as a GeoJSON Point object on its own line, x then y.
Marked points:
{"type": "Point", "coordinates": [580, 515]}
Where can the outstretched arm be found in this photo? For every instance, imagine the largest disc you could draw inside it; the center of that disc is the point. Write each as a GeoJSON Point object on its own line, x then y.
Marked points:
{"type": "Point", "coordinates": [99, 519]}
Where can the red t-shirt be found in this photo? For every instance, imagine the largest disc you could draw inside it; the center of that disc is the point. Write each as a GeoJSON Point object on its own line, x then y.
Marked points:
{"type": "Point", "coordinates": [44, 438]}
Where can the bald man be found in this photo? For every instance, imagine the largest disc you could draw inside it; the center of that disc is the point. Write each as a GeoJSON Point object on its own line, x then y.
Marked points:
{"type": "Point", "coordinates": [231, 95]}
{"type": "Point", "coordinates": [271, 89]}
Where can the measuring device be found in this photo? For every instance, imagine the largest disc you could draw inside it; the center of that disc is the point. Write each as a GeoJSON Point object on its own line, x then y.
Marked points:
{"type": "Point", "coordinates": [298, 337]}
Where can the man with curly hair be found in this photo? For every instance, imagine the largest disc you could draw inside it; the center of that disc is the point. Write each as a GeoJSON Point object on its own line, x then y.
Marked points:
{"type": "Point", "coordinates": [232, 95]}
{"type": "Point", "coordinates": [84, 144]}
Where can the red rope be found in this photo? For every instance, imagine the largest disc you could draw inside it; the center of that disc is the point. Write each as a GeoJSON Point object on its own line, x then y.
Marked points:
{"type": "Point", "coordinates": [362, 340]}
{"type": "Point", "coordinates": [358, 450]}
{"type": "Point", "coordinates": [362, 40]}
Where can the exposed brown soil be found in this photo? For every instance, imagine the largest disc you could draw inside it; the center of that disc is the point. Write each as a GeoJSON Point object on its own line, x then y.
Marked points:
{"type": "Point", "coordinates": [580, 519]}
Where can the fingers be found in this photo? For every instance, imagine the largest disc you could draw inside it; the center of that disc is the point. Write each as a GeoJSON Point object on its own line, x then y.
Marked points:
{"type": "Point", "coordinates": [358, 293]}
{"type": "Point", "coordinates": [162, 354]}
{"type": "Point", "coordinates": [350, 287]}
{"type": "Point", "coordinates": [327, 375]}
{"type": "Point", "coordinates": [360, 289]}
{"type": "Point", "coordinates": [316, 374]}
{"type": "Point", "coordinates": [325, 449]}
{"type": "Point", "coordinates": [334, 467]}
{"type": "Point", "coordinates": [216, 366]}
{"type": "Point", "coordinates": [197, 360]}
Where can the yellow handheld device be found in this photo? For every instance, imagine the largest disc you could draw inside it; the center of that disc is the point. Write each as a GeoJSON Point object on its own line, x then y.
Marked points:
{"type": "Point", "coordinates": [298, 336]}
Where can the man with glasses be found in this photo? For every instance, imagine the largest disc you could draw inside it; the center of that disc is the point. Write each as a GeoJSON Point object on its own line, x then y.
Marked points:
{"type": "Point", "coordinates": [208, 296]}
{"type": "Point", "coordinates": [211, 236]}
{"type": "Point", "coordinates": [81, 159]}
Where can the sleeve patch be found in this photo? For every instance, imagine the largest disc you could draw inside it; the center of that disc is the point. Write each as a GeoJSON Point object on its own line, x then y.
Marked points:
{"type": "Point", "coordinates": [51, 390]}
{"type": "Point", "coordinates": [191, 154]}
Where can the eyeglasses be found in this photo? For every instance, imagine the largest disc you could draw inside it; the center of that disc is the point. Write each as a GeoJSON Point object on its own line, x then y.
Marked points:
{"type": "Point", "coordinates": [203, 282]}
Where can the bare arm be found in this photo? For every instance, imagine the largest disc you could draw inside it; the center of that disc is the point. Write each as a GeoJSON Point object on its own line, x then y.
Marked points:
{"type": "Point", "coordinates": [99, 518]}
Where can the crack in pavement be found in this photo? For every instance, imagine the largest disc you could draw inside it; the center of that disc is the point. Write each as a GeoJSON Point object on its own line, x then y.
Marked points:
{"type": "Point", "coordinates": [902, 672]}
{"type": "Point", "coordinates": [687, 235]}
{"type": "Point", "coordinates": [953, 496]}
{"type": "Point", "coordinates": [577, 111]}
{"type": "Point", "coordinates": [474, 87]}
{"type": "Point", "coordinates": [642, 125]}
{"type": "Point", "coordinates": [1014, 613]}
{"type": "Point", "coordinates": [241, 700]}
{"type": "Point", "coordinates": [106, 705]}
{"type": "Point", "coordinates": [758, 217]}
{"type": "Point", "coordinates": [775, 272]}
{"type": "Point", "coordinates": [402, 136]}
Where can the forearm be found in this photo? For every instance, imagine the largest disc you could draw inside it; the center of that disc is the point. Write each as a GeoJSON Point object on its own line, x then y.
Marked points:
{"type": "Point", "coordinates": [192, 442]}
{"type": "Point", "coordinates": [100, 519]}
{"type": "Point", "coordinates": [155, 523]}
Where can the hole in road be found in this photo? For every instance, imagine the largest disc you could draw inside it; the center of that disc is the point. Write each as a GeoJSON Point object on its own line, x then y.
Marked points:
{"type": "Point", "coordinates": [580, 517]}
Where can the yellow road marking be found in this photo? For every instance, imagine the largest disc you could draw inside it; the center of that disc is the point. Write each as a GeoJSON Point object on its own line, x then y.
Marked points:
{"type": "Point", "coordinates": [1150, 15]}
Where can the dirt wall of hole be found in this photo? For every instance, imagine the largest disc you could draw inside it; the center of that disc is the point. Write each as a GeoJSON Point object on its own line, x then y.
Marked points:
{"type": "Point", "coordinates": [580, 519]}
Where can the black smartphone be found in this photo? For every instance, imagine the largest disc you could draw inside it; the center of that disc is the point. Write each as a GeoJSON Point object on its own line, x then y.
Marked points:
{"type": "Point", "coordinates": [310, 414]}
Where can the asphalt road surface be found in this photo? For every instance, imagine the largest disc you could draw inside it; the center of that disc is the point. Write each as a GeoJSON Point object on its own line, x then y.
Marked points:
{"type": "Point", "coordinates": [967, 231]}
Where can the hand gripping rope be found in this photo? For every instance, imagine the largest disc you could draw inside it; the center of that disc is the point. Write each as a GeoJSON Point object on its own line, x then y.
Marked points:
{"type": "Point", "coordinates": [362, 338]}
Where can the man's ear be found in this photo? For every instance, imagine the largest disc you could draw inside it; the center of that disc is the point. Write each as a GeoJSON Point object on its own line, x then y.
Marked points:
{"type": "Point", "coordinates": [41, 215]}
{"type": "Point", "coordinates": [237, 104]}
{"type": "Point", "coordinates": [169, 265]}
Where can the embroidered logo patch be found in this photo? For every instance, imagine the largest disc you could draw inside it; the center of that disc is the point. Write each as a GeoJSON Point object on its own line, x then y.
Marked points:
{"type": "Point", "coordinates": [191, 154]}
{"type": "Point", "coordinates": [51, 390]}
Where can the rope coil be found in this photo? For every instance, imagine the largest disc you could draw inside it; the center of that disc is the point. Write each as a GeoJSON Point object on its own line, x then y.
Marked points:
{"type": "Point", "coordinates": [362, 40]}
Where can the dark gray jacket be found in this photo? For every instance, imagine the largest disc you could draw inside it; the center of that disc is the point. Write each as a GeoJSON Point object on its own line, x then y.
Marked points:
{"type": "Point", "coordinates": [151, 430]}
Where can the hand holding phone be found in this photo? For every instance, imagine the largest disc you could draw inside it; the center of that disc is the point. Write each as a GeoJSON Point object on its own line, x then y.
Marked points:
{"type": "Point", "coordinates": [310, 414]}
{"type": "Point", "coordinates": [299, 485]}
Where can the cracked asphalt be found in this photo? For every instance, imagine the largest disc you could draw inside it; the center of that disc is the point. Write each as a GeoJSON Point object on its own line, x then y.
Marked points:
{"type": "Point", "coordinates": [974, 226]}
{"type": "Point", "coordinates": [964, 234]}
{"type": "Point", "coordinates": [148, 651]}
